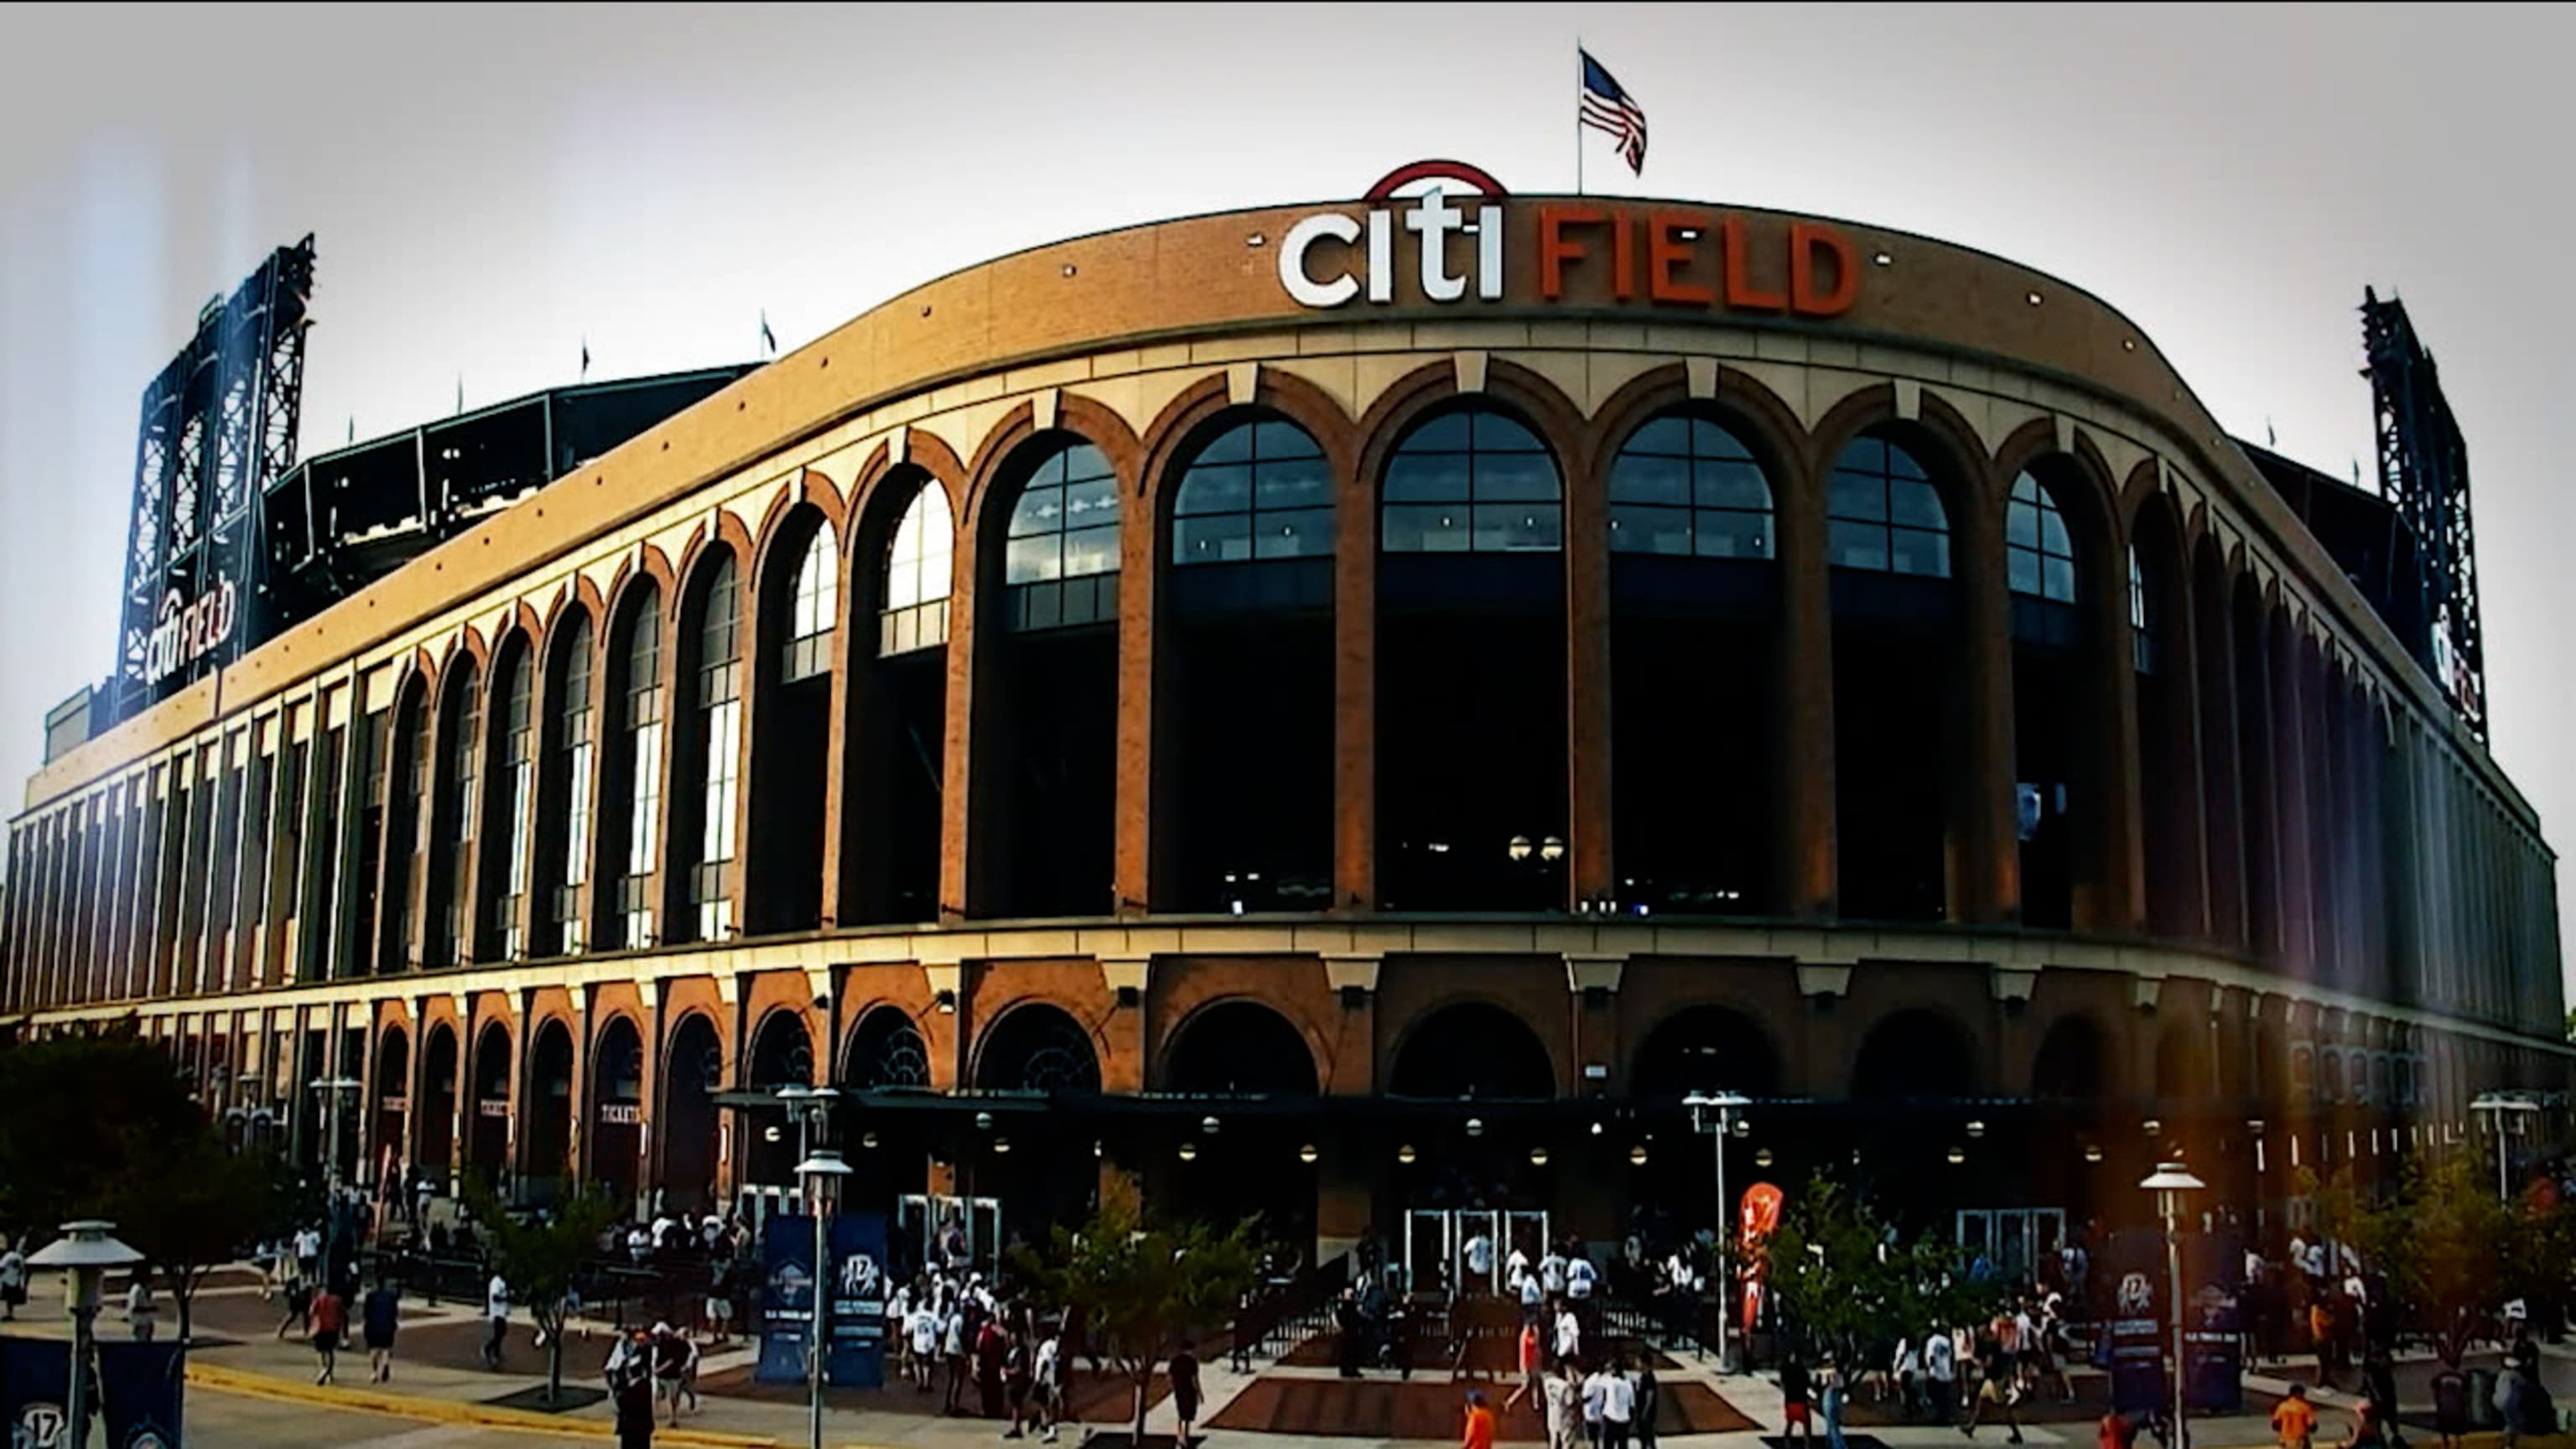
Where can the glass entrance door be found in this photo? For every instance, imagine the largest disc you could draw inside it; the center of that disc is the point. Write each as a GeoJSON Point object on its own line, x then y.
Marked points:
{"type": "Point", "coordinates": [1479, 1260]}
{"type": "Point", "coordinates": [939, 1227]}
{"type": "Point", "coordinates": [1427, 1247]}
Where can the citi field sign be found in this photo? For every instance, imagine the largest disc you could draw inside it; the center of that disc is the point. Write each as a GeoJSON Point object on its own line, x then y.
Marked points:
{"type": "Point", "coordinates": [1444, 248]}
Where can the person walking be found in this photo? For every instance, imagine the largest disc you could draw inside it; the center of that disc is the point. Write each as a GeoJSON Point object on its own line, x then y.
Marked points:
{"type": "Point", "coordinates": [1999, 1389]}
{"type": "Point", "coordinates": [13, 1279]}
{"type": "Point", "coordinates": [329, 1318]}
{"type": "Point", "coordinates": [1596, 1396]}
{"type": "Point", "coordinates": [1184, 1372]}
{"type": "Point", "coordinates": [1046, 1374]}
{"type": "Point", "coordinates": [1016, 1382]}
{"type": "Point", "coordinates": [1941, 1375]}
{"type": "Point", "coordinates": [952, 1346]}
{"type": "Point", "coordinates": [1479, 1430]}
{"type": "Point", "coordinates": [1832, 1406]}
{"type": "Point", "coordinates": [496, 1319]}
{"type": "Point", "coordinates": [142, 1310]}
{"type": "Point", "coordinates": [1528, 1364]}
{"type": "Point", "coordinates": [378, 1317]}
{"type": "Point", "coordinates": [1650, 1401]}
{"type": "Point", "coordinates": [674, 1355]}
{"type": "Point", "coordinates": [2294, 1420]}
{"type": "Point", "coordinates": [1793, 1400]}
{"type": "Point", "coordinates": [630, 1388]}
{"type": "Point", "coordinates": [298, 1292]}
{"type": "Point", "coordinates": [1618, 1406]}
{"type": "Point", "coordinates": [991, 1346]}
{"type": "Point", "coordinates": [2450, 1402]}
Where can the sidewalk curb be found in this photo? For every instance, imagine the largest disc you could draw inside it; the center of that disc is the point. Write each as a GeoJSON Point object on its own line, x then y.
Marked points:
{"type": "Point", "coordinates": [448, 1411]}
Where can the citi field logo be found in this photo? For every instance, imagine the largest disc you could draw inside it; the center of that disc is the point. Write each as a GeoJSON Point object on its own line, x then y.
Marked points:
{"type": "Point", "coordinates": [184, 633]}
{"type": "Point", "coordinates": [1591, 251]}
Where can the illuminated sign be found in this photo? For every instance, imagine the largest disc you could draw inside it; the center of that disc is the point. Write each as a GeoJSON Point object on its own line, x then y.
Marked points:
{"type": "Point", "coordinates": [1614, 251]}
{"type": "Point", "coordinates": [621, 1114]}
{"type": "Point", "coordinates": [183, 633]}
{"type": "Point", "coordinates": [494, 1107]}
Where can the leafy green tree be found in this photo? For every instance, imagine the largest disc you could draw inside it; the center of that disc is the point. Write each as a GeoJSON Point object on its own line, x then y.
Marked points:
{"type": "Point", "coordinates": [1140, 1288]}
{"type": "Point", "coordinates": [76, 1113]}
{"type": "Point", "coordinates": [1843, 1278]}
{"type": "Point", "coordinates": [539, 1259]}
{"type": "Point", "coordinates": [193, 1205]}
{"type": "Point", "coordinates": [2450, 1251]}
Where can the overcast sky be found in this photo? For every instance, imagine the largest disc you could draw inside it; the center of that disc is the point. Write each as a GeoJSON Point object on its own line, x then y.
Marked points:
{"type": "Point", "coordinates": [490, 187]}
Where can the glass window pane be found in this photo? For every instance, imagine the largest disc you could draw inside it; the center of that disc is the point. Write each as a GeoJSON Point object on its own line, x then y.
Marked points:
{"type": "Point", "coordinates": [1224, 538]}
{"type": "Point", "coordinates": [2052, 533]}
{"type": "Point", "coordinates": [1857, 545]}
{"type": "Point", "coordinates": [1091, 504]}
{"type": "Point", "coordinates": [1901, 464]}
{"type": "Point", "coordinates": [1276, 438]}
{"type": "Point", "coordinates": [1864, 455]}
{"type": "Point", "coordinates": [1446, 432]}
{"type": "Point", "coordinates": [1733, 535]}
{"type": "Point", "coordinates": [1515, 476]}
{"type": "Point", "coordinates": [1856, 496]}
{"type": "Point", "coordinates": [1918, 551]}
{"type": "Point", "coordinates": [2021, 570]}
{"type": "Point", "coordinates": [1214, 488]}
{"type": "Point", "coordinates": [1516, 527]}
{"type": "Point", "coordinates": [1293, 483]}
{"type": "Point", "coordinates": [1494, 433]}
{"type": "Point", "coordinates": [2058, 580]}
{"type": "Point", "coordinates": [936, 568]}
{"type": "Point", "coordinates": [903, 584]}
{"type": "Point", "coordinates": [1436, 478]}
{"type": "Point", "coordinates": [1638, 528]}
{"type": "Point", "coordinates": [1708, 440]}
{"type": "Point", "coordinates": [1033, 560]}
{"type": "Point", "coordinates": [2025, 489]}
{"type": "Point", "coordinates": [1426, 528]}
{"type": "Point", "coordinates": [1731, 484]}
{"type": "Point", "coordinates": [1039, 510]}
{"type": "Point", "coordinates": [1295, 533]}
{"type": "Point", "coordinates": [1639, 478]}
{"type": "Point", "coordinates": [1234, 445]}
{"type": "Point", "coordinates": [1915, 503]}
{"type": "Point", "coordinates": [1083, 462]}
{"type": "Point", "coordinates": [1091, 551]}
{"type": "Point", "coordinates": [2021, 525]}
{"type": "Point", "coordinates": [1668, 435]}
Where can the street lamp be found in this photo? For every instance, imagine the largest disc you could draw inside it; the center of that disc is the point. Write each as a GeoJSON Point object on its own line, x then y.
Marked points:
{"type": "Point", "coordinates": [2498, 1105]}
{"type": "Point", "coordinates": [819, 1172]}
{"type": "Point", "coordinates": [2169, 1182]}
{"type": "Point", "coordinates": [1722, 1106]}
{"type": "Point", "coordinates": [85, 1252]}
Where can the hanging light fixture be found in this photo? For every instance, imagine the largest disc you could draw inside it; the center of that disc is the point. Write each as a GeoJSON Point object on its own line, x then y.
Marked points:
{"type": "Point", "coordinates": [1637, 1154]}
{"type": "Point", "coordinates": [1552, 848]}
{"type": "Point", "coordinates": [1519, 849]}
{"type": "Point", "coordinates": [1538, 1157]}
{"type": "Point", "coordinates": [1307, 1153]}
{"type": "Point", "coordinates": [868, 1140]}
{"type": "Point", "coordinates": [1207, 1125]}
{"type": "Point", "coordinates": [1762, 1157]}
{"type": "Point", "coordinates": [2092, 1151]}
{"type": "Point", "coordinates": [1189, 1152]}
{"type": "Point", "coordinates": [983, 1121]}
{"type": "Point", "coordinates": [1976, 1127]}
{"type": "Point", "coordinates": [1404, 1154]}
{"type": "Point", "coordinates": [1475, 1126]}
{"type": "Point", "coordinates": [1001, 1146]}
{"type": "Point", "coordinates": [1958, 1155]}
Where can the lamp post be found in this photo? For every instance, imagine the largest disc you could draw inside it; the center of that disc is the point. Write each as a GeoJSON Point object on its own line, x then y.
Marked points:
{"type": "Point", "coordinates": [85, 1252]}
{"type": "Point", "coordinates": [819, 1172]}
{"type": "Point", "coordinates": [2499, 1106]}
{"type": "Point", "coordinates": [1721, 1107]}
{"type": "Point", "coordinates": [2169, 1182]}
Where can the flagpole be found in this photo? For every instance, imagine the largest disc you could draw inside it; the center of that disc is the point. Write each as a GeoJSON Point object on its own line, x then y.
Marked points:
{"type": "Point", "coordinates": [1578, 115]}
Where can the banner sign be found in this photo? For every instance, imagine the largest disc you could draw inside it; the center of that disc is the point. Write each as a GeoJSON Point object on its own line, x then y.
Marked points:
{"type": "Point", "coordinates": [786, 1300]}
{"type": "Point", "coordinates": [1757, 1218]}
{"type": "Point", "coordinates": [2213, 1335]}
{"type": "Point", "coordinates": [2134, 1339]}
{"type": "Point", "coordinates": [857, 1359]}
{"type": "Point", "coordinates": [35, 1381]}
{"type": "Point", "coordinates": [141, 1385]}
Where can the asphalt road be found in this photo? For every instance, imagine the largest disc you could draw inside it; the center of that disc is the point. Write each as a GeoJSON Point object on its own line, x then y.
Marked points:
{"type": "Point", "coordinates": [232, 1421]}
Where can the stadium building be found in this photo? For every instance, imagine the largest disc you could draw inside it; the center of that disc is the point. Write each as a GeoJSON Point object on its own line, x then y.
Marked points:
{"type": "Point", "coordinates": [1350, 711]}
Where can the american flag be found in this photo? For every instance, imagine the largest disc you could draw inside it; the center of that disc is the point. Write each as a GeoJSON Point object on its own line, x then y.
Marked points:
{"type": "Point", "coordinates": [1605, 107]}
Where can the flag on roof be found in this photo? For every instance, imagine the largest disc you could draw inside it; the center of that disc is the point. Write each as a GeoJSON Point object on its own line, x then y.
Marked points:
{"type": "Point", "coordinates": [1605, 106]}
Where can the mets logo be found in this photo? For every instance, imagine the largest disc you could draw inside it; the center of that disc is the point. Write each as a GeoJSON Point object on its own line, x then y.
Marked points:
{"type": "Point", "coordinates": [860, 1276]}
{"type": "Point", "coordinates": [2135, 1294]}
{"type": "Point", "coordinates": [39, 1426]}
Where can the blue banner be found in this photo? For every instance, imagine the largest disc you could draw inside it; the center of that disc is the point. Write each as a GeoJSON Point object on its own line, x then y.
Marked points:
{"type": "Point", "coordinates": [858, 1301]}
{"type": "Point", "coordinates": [35, 1381]}
{"type": "Point", "coordinates": [786, 1299]}
{"type": "Point", "coordinates": [140, 1390]}
{"type": "Point", "coordinates": [2135, 1333]}
{"type": "Point", "coordinates": [2213, 1336]}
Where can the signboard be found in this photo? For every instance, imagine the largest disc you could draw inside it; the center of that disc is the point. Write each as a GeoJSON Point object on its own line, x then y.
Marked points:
{"type": "Point", "coordinates": [1758, 1217]}
{"type": "Point", "coordinates": [786, 1300]}
{"type": "Point", "coordinates": [2213, 1343]}
{"type": "Point", "coordinates": [2133, 1342]}
{"type": "Point", "coordinates": [35, 1379]}
{"type": "Point", "coordinates": [493, 1106]}
{"type": "Point", "coordinates": [184, 632]}
{"type": "Point", "coordinates": [857, 1321]}
{"type": "Point", "coordinates": [394, 1104]}
{"type": "Point", "coordinates": [621, 1114]}
{"type": "Point", "coordinates": [142, 1386]}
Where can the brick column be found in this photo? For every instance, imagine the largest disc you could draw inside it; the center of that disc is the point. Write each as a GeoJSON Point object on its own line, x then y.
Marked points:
{"type": "Point", "coordinates": [1985, 850]}
{"type": "Point", "coordinates": [1587, 699]}
{"type": "Point", "coordinates": [1355, 692]}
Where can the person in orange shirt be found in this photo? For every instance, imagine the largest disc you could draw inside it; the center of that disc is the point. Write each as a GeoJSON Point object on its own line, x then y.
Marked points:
{"type": "Point", "coordinates": [2294, 1423]}
{"type": "Point", "coordinates": [1529, 1371]}
{"type": "Point", "coordinates": [1480, 1422]}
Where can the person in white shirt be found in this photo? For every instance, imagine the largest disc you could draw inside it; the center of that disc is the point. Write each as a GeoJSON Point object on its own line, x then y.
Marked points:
{"type": "Point", "coordinates": [639, 1245]}
{"type": "Point", "coordinates": [1478, 1256]}
{"type": "Point", "coordinates": [1516, 1266]}
{"type": "Point", "coordinates": [1579, 1277]}
{"type": "Point", "coordinates": [1941, 1374]}
{"type": "Point", "coordinates": [662, 1229]}
{"type": "Point", "coordinates": [923, 1348]}
{"type": "Point", "coordinates": [1906, 1367]}
{"type": "Point", "coordinates": [1596, 1399]}
{"type": "Point", "coordinates": [142, 1311]}
{"type": "Point", "coordinates": [1569, 1334]}
{"type": "Point", "coordinates": [1046, 1388]}
{"type": "Point", "coordinates": [1564, 1413]}
{"type": "Point", "coordinates": [13, 1281]}
{"type": "Point", "coordinates": [496, 1314]}
{"type": "Point", "coordinates": [1529, 1297]}
{"type": "Point", "coordinates": [1551, 1274]}
{"type": "Point", "coordinates": [1618, 1405]}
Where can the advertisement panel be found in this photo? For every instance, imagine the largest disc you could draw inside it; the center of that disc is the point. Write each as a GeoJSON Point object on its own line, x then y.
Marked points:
{"type": "Point", "coordinates": [857, 1359]}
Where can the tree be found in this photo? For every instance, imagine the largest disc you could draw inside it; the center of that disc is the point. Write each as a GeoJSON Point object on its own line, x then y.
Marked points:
{"type": "Point", "coordinates": [1141, 1288]}
{"type": "Point", "coordinates": [1843, 1279]}
{"type": "Point", "coordinates": [192, 1205]}
{"type": "Point", "coordinates": [540, 1258]}
{"type": "Point", "coordinates": [75, 1112]}
{"type": "Point", "coordinates": [2448, 1251]}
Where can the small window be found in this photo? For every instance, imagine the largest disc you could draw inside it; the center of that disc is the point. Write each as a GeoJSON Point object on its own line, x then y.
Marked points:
{"type": "Point", "coordinates": [1261, 490]}
{"type": "Point", "coordinates": [914, 612]}
{"type": "Point", "coordinates": [1061, 558]}
{"type": "Point", "coordinates": [2039, 559]}
{"type": "Point", "coordinates": [1685, 486]}
{"type": "Point", "coordinates": [1883, 515]}
{"type": "Point", "coordinates": [816, 607]}
{"type": "Point", "coordinates": [1471, 481]}
{"type": "Point", "coordinates": [2141, 640]}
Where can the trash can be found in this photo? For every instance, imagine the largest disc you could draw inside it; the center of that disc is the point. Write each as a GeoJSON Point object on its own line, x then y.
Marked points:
{"type": "Point", "coordinates": [2482, 1409]}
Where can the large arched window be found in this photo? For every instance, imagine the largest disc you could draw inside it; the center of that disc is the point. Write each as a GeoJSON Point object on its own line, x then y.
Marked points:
{"type": "Point", "coordinates": [1259, 490]}
{"type": "Point", "coordinates": [2039, 559]}
{"type": "Point", "coordinates": [1472, 481]}
{"type": "Point", "coordinates": [1061, 559]}
{"type": "Point", "coordinates": [1684, 485]}
{"type": "Point", "coordinates": [408, 782]}
{"type": "Point", "coordinates": [1884, 514]}
{"type": "Point", "coordinates": [814, 609]}
{"type": "Point", "coordinates": [639, 747]}
{"type": "Point", "coordinates": [914, 612]}
{"type": "Point", "coordinates": [514, 793]}
{"type": "Point", "coordinates": [455, 833]}
{"type": "Point", "coordinates": [573, 736]}
{"type": "Point", "coordinates": [716, 748]}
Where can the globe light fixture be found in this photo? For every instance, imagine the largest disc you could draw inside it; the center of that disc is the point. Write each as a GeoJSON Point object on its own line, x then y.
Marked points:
{"type": "Point", "coordinates": [1637, 1155]}
{"type": "Point", "coordinates": [1404, 1154]}
{"type": "Point", "coordinates": [1307, 1153]}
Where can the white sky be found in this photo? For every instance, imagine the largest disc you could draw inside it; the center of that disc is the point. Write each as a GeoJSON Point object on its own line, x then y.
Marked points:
{"type": "Point", "coordinates": [490, 186]}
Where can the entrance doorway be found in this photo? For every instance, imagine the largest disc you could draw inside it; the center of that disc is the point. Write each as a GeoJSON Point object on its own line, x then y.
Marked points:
{"type": "Point", "coordinates": [1465, 1250]}
{"type": "Point", "coordinates": [2017, 1241]}
{"type": "Point", "coordinates": [924, 1221]}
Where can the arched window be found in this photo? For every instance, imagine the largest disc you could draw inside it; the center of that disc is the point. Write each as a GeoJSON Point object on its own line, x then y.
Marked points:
{"type": "Point", "coordinates": [1684, 485]}
{"type": "Point", "coordinates": [639, 727]}
{"type": "Point", "coordinates": [1884, 515]}
{"type": "Point", "coordinates": [2039, 559]}
{"type": "Point", "coordinates": [1061, 560]}
{"type": "Point", "coordinates": [573, 742]}
{"type": "Point", "coordinates": [1472, 481]}
{"type": "Point", "coordinates": [2142, 653]}
{"type": "Point", "coordinates": [1260, 490]}
{"type": "Point", "coordinates": [914, 613]}
{"type": "Point", "coordinates": [816, 606]}
{"type": "Point", "coordinates": [457, 839]}
{"type": "Point", "coordinates": [410, 782]}
{"type": "Point", "coordinates": [717, 697]}
{"type": "Point", "coordinates": [518, 779]}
